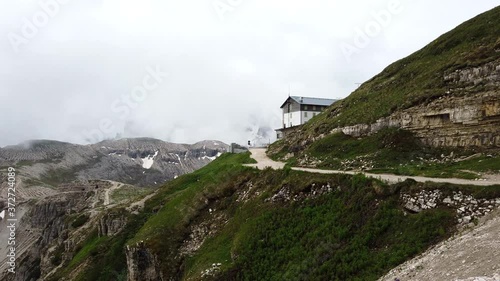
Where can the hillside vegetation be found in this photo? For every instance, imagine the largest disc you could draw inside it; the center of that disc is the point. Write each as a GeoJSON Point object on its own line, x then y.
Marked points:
{"type": "Point", "coordinates": [414, 80]}
{"type": "Point", "coordinates": [398, 152]}
{"type": "Point", "coordinates": [227, 221]}
{"type": "Point", "coordinates": [271, 225]}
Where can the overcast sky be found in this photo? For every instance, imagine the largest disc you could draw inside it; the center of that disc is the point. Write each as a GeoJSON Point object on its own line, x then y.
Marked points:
{"type": "Point", "coordinates": [80, 71]}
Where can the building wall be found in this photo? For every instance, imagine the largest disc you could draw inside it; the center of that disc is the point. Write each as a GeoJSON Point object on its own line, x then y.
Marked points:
{"type": "Point", "coordinates": [316, 108]}
{"type": "Point", "coordinates": [283, 133]}
{"type": "Point", "coordinates": [291, 106]}
{"type": "Point", "coordinates": [292, 119]}
{"type": "Point", "coordinates": [308, 115]}
{"type": "Point", "coordinates": [298, 118]}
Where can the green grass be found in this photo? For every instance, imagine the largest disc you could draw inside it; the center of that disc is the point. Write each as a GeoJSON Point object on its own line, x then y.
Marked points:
{"type": "Point", "coordinates": [88, 248]}
{"type": "Point", "coordinates": [187, 188]}
{"type": "Point", "coordinates": [108, 261]}
{"type": "Point", "coordinates": [129, 193]}
{"type": "Point", "coordinates": [80, 220]}
{"type": "Point", "coordinates": [181, 200]}
{"type": "Point", "coordinates": [396, 151]}
{"type": "Point", "coordinates": [468, 169]}
{"type": "Point", "coordinates": [414, 80]}
{"type": "Point", "coordinates": [323, 240]}
{"type": "Point", "coordinates": [104, 257]}
{"type": "Point", "coordinates": [419, 77]}
{"type": "Point", "coordinates": [358, 231]}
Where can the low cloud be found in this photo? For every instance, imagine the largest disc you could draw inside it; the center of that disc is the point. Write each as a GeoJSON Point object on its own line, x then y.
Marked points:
{"type": "Point", "coordinates": [226, 77]}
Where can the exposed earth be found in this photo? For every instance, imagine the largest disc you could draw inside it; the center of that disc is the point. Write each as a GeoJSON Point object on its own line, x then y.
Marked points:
{"type": "Point", "coordinates": [263, 161]}
{"type": "Point", "coordinates": [471, 255]}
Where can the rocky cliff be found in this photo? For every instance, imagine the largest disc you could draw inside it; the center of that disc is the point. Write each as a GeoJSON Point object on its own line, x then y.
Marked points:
{"type": "Point", "coordinates": [449, 121]}
{"type": "Point", "coordinates": [42, 229]}
{"type": "Point", "coordinates": [281, 224]}
{"type": "Point", "coordinates": [142, 264]}
{"type": "Point", "coordinates": [142, 161]}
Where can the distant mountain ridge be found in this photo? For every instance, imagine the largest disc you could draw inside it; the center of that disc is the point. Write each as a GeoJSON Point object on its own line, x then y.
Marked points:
{"type": "Point", "coordinates": [138, 161]}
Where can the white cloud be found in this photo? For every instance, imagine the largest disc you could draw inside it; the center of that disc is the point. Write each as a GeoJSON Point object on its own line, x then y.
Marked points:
{"type": "Point", "coordinates": [225, 76]}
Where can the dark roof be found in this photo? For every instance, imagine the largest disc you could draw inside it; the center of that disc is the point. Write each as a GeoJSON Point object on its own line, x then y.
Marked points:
{"type": "Point", "coordinates": [310, 101]}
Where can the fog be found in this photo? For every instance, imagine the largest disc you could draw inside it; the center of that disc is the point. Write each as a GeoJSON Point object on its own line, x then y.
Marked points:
{"type": "Point", "coordinates": [185, 71]}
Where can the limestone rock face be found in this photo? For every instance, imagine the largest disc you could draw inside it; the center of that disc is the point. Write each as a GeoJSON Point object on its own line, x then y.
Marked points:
{"type": "Point", "coordinates": [453, 120]}
{"type": "Point", "coordinates": [142, 265]}
{"type": "Point", "coordinates": [111, 224]}
{"type": "Point", "coordinates": [447, 122]}
{"type": "Point", "coordinates": [41, 229]}
{"type": "Point", "coordinates": [488, 74]}
{"type": "Point", "coordinates": [140, 161]}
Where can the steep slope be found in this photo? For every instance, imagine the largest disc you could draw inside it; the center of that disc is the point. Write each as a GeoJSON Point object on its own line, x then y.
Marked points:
{"type": "Point", "coordinates": [446, 93]}
{"type": "Point", "coordinates": [472, 255]}
{"type": "Point", "coordinates": [61, 186]}
{"type": "Point", "coordinates": [230, 222]}
{"type": "Point", "coordinates": [142, 161]}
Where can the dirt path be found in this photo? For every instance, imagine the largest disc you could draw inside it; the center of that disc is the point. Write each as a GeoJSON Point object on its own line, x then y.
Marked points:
{"type": "Point", "coordinates": [263, 161]}
{"type": "Point", "coordinates": [473, 255]}
{"type": "Point", "coordinates": [259, 154]}
{"type": "Point", "coordinates": [115, 185]}
{"type": "Point", "coordinates": [135, 207]}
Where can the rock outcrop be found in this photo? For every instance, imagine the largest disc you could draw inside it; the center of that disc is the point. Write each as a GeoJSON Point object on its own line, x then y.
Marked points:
{"type": "Point", "coordinates": [41, 228]}
{"type": "Point", "coordinates": [141, 161]}
{"type": "Point", "coordinates": [142, 264]}
{"type": "Point", "coordinates": [453, 120]}
{"type": "Point", "coordinates": [111, 224]}
{"type": "Point", "coordinates": [468, 208]}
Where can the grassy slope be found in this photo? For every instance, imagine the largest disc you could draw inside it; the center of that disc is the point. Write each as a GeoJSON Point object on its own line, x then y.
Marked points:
{"type": "Point", "coordinates": [396, 151]}
{"type": "Point", "coordinates": [413, 80]}
{"type": "Point", "coordinates": [104, 257]}
{"type": "Point", "coordinates": [419, 77]}
{"type": "Point", "coordinates": [356, 232]}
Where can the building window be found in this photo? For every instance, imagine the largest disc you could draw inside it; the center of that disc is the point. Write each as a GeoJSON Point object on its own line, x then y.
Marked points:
{"type": "Point", "coordinates": [314, 107]}
{"type": "Point", "coordinates": [305, 107]}
{"type": "Point", "coordinates": [305, 114]}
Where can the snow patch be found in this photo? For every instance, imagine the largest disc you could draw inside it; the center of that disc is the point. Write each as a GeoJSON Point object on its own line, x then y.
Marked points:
{"type": "Point", "coordinates": [2, 214]}
{"type": "Point", "coordinates": [211, 158]}
{"type": "Point", "coordinates": [147, 162]}
{"type": "Point", "coordinates": [176, 176]}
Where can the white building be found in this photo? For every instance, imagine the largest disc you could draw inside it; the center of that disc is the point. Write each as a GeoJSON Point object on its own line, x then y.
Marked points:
{"type": "Point", "coordinates": [299, 110]}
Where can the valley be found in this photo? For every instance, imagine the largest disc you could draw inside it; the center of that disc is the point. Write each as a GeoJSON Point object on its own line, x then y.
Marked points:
{"type": "Point", "coordinates": [400, 180]}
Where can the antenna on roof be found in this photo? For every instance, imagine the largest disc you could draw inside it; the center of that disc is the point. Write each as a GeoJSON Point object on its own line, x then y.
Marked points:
{"type": "Point", "coordinates": [289, 90]}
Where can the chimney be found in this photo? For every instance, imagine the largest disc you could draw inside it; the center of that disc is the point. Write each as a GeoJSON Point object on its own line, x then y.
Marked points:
{"type": "Point", "coordinates": [301, 99]}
